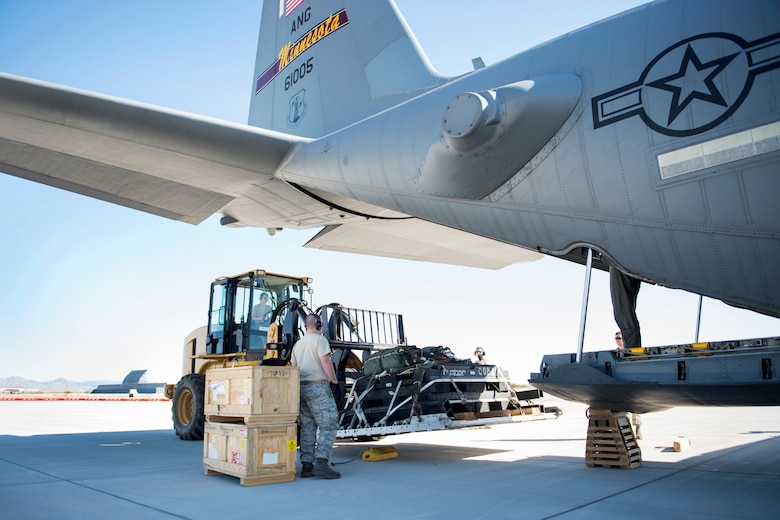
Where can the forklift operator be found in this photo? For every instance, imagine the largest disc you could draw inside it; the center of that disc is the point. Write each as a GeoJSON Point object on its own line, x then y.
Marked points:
{"type": "Point", "coordinates": [261, 313]}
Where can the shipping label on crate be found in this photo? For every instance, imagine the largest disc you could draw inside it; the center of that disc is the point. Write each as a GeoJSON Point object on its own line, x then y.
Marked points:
{"type": "Point", "coordinates": [241, 396]}
{"type": "Point", "coordinates": [270, 458]}
{"type": "Point", "coordinates": [237, 457]}
{"type": "Point", "coordinates": [217, 391]}
{"type": "Point", "coordinates": [237, 446]}
{"type": "Point", "coordinates": [212, 451]}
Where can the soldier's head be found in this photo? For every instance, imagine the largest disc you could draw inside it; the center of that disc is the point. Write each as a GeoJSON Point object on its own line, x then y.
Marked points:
{"type": "Point", "coordinates": [313, 323]}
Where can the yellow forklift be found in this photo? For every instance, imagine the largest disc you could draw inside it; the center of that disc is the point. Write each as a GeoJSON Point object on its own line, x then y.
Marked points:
{"type": "Point", "coordinates": [252, 316]}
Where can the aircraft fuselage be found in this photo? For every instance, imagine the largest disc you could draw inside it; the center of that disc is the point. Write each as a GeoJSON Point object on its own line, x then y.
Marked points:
{"type": "Point", "coordinates": [654, 143]}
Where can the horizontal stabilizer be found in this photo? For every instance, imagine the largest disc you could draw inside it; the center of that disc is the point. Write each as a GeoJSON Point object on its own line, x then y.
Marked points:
{"type": "Point", "coordinates": [414, 239]}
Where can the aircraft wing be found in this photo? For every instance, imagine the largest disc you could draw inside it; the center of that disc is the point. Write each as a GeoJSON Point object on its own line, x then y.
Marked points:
{"type": "Point", "coordinates": [172, 164]}
{"type": "Point", "coordinates": [187, 167]}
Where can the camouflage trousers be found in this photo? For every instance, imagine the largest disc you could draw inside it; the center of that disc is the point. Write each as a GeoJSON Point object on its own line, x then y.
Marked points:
{"type": "Point", "coordinates": [318, 410]}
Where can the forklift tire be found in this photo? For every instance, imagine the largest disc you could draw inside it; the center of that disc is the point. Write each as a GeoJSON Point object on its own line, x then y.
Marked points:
{"type": "Point", "coordinates": [188, 418]}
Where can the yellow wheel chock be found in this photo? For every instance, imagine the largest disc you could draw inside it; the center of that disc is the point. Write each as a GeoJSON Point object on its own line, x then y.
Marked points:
{"type": "Point", "coordinates": [382, 453]}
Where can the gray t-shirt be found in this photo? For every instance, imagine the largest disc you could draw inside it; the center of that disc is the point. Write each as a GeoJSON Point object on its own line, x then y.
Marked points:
{"type": "Point", "coordinates": [306, 356]}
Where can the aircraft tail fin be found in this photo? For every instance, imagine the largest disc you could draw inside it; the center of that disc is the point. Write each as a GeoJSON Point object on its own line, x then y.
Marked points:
{"type": "Point", "coordinates": [322, 66]}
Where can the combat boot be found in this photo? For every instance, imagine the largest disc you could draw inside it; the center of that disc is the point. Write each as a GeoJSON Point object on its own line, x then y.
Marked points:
{"type": "Point", "coordinates": [306, 472]}
{"type": "Point", "coordinates": [322, 469]}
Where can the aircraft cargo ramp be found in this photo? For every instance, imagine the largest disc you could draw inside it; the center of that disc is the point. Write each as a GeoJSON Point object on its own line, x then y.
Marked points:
{"type": "Point", "coordinates": [726, 373]}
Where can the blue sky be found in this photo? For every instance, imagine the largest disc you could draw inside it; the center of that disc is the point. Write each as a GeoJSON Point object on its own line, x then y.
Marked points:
{"type": "Point", "coordinates": [92, 290]}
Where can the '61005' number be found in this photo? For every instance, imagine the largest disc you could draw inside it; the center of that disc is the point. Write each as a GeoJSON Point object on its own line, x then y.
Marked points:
{"type": "Point", "coordinates": [298, 74]}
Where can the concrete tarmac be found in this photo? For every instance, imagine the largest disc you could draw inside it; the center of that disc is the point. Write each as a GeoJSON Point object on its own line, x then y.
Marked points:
{"type": "Point", "coordinates": [121, 460]}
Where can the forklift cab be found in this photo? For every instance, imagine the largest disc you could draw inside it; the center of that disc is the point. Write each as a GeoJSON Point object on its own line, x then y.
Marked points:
{"type": "Point", "coordinates": [242, 309]}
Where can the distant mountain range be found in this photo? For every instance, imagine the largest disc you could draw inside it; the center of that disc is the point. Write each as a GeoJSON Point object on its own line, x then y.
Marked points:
{"type": "Point", "coordinates": [57, 385]}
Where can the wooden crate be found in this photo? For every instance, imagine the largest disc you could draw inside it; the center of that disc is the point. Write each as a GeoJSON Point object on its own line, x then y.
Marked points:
{"type": "Point", "coordinates": [255, 453]}
{"type": "Point", "coordinates": [252, 390]}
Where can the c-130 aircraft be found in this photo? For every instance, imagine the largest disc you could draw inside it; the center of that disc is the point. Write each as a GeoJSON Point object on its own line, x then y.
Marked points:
{"type": "Point", "coordinates": [650, 137]}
